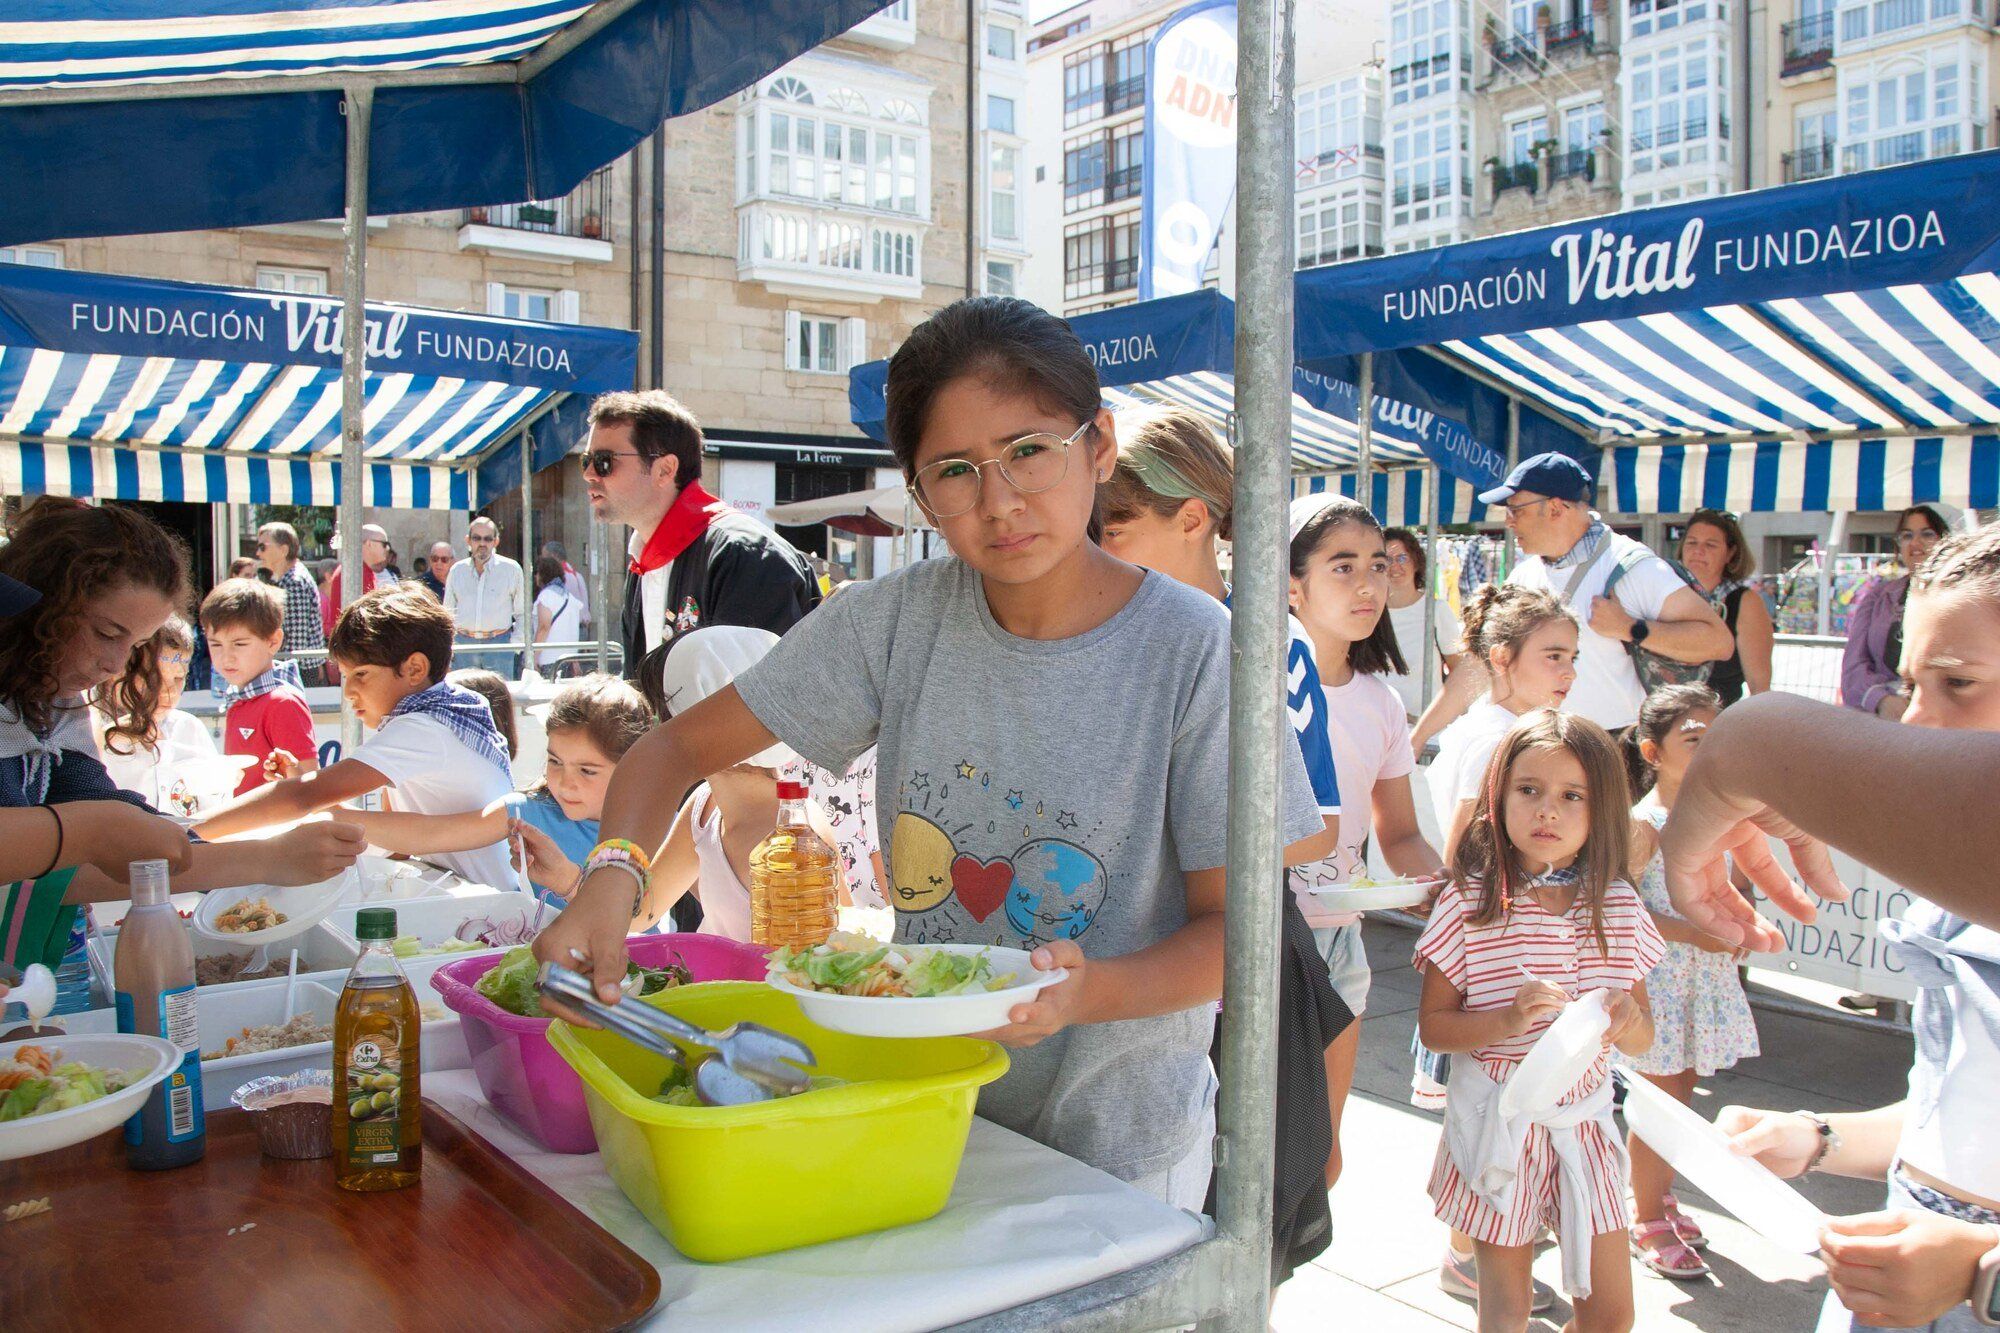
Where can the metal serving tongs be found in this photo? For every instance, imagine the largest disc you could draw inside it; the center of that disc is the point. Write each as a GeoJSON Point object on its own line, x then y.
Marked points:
{"type": "Point", "coordinates": [752, 1063]}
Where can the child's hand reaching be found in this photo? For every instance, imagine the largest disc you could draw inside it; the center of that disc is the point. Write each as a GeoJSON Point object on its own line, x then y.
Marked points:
{"type": "Point", "coordinates": [547, 866]}
{"type": "Point", "coordinates": [1536, 1000]}
{"type": "Point", "coordinates": [279, 765]}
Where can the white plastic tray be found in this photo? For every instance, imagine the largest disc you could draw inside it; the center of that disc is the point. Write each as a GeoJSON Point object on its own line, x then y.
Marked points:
{"type": "Point", "coordinates": [304, 906]}
{"type": "Point", "coordinates": [1696, 1149]}
{"type": "Point", "coordinates": [443, 1040]}
{"type": "Point", "coordinates": [1563, 1054]}
{"type": "Point", "coordinates": [433, 919]}
{"type": "Point", "coordinates": [149, 1059]}
{"type": "Point", "coordinates": [943, 1016]}
{"type": "Point", "coordinates": [323, 957]}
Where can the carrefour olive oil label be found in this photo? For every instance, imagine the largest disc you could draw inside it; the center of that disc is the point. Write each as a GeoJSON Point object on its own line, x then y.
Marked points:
{"type": "Point", "coordinates": [374, 1097]}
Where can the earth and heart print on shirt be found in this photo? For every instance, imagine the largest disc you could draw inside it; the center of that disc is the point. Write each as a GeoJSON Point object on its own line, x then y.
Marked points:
{"type": "Point", "coordinates": [1051, 887]}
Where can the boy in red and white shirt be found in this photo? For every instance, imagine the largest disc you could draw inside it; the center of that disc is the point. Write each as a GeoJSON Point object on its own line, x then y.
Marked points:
{"type": "Point", "coordinates": [244, 621]}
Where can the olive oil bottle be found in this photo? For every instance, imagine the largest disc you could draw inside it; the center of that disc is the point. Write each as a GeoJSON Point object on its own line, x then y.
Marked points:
{"type": "Point", "coordinates": [377, 1115]}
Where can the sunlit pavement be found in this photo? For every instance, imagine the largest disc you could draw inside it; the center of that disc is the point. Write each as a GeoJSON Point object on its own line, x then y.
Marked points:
{"type": "Point", "coordinates": [1381, 1272]}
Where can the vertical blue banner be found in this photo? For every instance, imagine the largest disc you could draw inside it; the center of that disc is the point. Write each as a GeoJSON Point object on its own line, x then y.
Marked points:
{"type": "Point", "coordinates": [1190, 167]}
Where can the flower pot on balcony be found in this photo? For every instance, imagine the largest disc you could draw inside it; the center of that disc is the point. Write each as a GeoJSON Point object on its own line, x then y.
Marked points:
{"type": "Point", "coordinates": [592, 227]}
{"type": "Point", "coordinates": [476, 216]}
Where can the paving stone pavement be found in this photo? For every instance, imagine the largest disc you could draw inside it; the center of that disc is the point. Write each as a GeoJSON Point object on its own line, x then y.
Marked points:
{"type": "Point", "coordinates": [1380, 1274]}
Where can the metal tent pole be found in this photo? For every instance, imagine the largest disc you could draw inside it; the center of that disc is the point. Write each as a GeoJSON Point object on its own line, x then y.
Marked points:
{"type": "Point", "coordinates": [360, 106]}
{"type": "Point", "coordinates": [527, 548]}
{"type": "Point", "coordinates": [1364, 432]}
{"type": "Point", "coordinates": [1513, 457]}
{"type": "Point", "coordinates": [1246, 1111]}
{"type": "Point", "coordinates": [1432, 671]}
{"type": "Point", "coordinates": [600, 578]}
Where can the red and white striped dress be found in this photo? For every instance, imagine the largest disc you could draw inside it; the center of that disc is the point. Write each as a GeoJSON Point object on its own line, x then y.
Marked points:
{"type": "Point", "coordinates": [1484, 963]}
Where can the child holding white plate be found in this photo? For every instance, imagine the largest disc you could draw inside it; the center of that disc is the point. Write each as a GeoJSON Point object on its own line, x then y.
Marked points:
{"type": "Point", "coordinates": [1052, 727]}
{"type": "Point", "coordinates": [1701, 1017]}
{"type": "Point", "coordinates": [1938, 1244]}
{"type": "Point", "coordinates": [1340, 593]}
{"type": "Point", "coordinates": [1538, 914]}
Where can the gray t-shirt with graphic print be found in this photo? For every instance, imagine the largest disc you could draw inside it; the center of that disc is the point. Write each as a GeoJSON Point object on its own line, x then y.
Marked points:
{"type": "Point", "coordinates": [1033, 790]}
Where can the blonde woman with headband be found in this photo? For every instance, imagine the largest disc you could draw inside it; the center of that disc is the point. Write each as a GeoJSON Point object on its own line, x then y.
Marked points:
{"type": "Point", "coordinates": [1167, 505]}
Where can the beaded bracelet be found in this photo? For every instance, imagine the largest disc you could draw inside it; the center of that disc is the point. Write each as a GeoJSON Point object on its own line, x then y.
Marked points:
{"type": "Point", "coordinates": [632, 852]}
{"type": "Point", "coordinates": [639, 878]}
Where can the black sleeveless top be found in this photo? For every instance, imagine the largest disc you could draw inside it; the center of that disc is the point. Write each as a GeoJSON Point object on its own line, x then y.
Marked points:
{"type": "Point", "coordinates": [1726, 676]}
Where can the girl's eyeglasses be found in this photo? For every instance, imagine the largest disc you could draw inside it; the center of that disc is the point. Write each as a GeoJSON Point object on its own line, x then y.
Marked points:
{"type": "Point", "coordinates": [602, 462]}
{"type": "Point", "coordinates": [1038, 462]}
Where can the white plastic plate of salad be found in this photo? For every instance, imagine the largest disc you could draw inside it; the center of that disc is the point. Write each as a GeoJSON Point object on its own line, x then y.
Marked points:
{"type": "Point", "coordinates": [62, 1089]}
{"type": "Point", "coordinates": [859, 985]}
{"type": "Point", "coordinates": [1362, 894]}
{"type": "Point", "coordinates": [254, 914]}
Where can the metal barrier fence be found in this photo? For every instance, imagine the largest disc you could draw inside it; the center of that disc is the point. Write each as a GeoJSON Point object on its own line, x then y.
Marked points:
{"type": "Point", "coordinates": [1808, 664]}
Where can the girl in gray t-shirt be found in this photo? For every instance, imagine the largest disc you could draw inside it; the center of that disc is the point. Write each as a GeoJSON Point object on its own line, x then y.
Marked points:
{"type": "Point", "coordinates": [1052, 728]}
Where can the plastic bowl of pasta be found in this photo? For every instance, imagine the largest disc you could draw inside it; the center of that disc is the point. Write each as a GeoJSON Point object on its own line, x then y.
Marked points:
{"type": "Point", "coordinates": [879, 1148]}
{"type": "Point", "coordinates": [856, 984]}
{"type": "Point", "coordinates": [60, 1090]}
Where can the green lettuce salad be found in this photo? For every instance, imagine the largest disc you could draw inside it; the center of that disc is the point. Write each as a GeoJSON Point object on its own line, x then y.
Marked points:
{"type": "Point", "coordinates": [511, 985]}
{"type": "Point", "coordinates": [64, 1086]}
{"type": "Point", "coordinates": [849, 964]}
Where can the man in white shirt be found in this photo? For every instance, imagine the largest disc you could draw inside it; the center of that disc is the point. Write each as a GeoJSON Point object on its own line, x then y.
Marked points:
{"type": "Point", "coordinates": [1569, 551]}
{"type": "Point", "coordinates": [487, 597]}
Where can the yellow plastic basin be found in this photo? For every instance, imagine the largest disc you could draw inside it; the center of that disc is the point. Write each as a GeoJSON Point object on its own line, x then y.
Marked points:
{"type": "Point", "coordinates": [728, 1182]}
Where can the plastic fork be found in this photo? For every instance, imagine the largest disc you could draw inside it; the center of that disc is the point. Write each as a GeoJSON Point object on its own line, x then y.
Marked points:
{"type": "Point", "coordinates": [765, 1059]}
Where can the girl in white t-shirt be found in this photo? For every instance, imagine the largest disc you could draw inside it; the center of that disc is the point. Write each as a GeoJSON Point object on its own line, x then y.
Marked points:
{"type": "Point", "coordinates": [1528, 643]}
{"type": "Point", "coordinates": [1340, 593]}
{"type": "Point", "coordinates": [558, 613]}
{"type": "Point", "coordinates": [145, 760]}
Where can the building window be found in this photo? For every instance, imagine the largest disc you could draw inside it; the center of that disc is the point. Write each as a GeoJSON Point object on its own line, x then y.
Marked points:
{"type": "Point", "coordinates": [1001, 42]}
{"type": "Point", "coordinates": [819, 345]}
{"type": "Point", "coordinates": [1909, 109]}
{"type": "Point", "coordinates": [834, 148]}
{"type": "Point", "coordinates": [300, 281]}
{"type": "Point", "coordinates": [1003, 220]}
{"type": "Point", "coordinates": [1000, 277]}
{"type": "Point", "coordinates": [1815, 134]}
{"type": "Point", "coordinates": [1877, 18]}
{"type": "Point", "coordinates": [1523, 135]}
{"type": "Point", "coordinates": [1128, 163]}
{"type": "Point", "coordinates": [1339, 127]}
{"type": "Point", "coordinates": [1101, 256]}
{"type": "Point", "coordinates": [1334, 227]}
{"type": "Point", "coordinates": [895, 254]}
{"type": "Point", "coordinates": [1000, 114]}
{"type": "Point", "coordinates": [1659, 16]}
{"type": "Point", "coordinates": [49, 256]}
{"type": "Point", "coordinates": [561, 307]}
{"type": "Point", "coordinates": [1429, 175]}
{"type": "Point", "coordinates": [1675, 106]}
{"type": "Point", "coordinates": [1429, 48]}
{"type": "Point", "coordinates": [1083, 87]}
{"type": "Point", "coordinates": [1084, 165]}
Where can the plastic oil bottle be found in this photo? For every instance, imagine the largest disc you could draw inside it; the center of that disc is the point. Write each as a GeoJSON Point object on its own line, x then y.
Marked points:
{"type": "Point", "coordinates": [377, 1114]}
{"type": "Point", "coordinates": [153, 970]}
{"type": "Point", "coordinates": [792, 878]}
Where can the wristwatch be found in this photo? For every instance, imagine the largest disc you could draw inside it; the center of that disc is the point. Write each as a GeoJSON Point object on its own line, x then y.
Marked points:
{"type": "Point", "coordinates": [1829, 1140]}
{"type": "Point", "coordinates": [1986, 1289]}
{"type": "Point", "coordinates": [1640, 629]}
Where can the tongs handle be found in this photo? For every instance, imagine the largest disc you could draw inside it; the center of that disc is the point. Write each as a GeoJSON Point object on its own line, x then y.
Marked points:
{"type": "Point", "coordinates": [625, 1018]}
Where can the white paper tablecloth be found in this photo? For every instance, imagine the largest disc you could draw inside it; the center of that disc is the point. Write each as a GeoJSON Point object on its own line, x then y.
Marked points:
{"type": "Point", "coordinates": [1024, 1222]}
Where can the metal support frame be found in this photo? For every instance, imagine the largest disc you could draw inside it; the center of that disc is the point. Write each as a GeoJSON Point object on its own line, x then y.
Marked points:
{"type": "Point", "coordinates": [359, 108]}
{"type": "Point", "coordinates": [528, 529]}
{"type": "Point", "coordinates": [1513, 457]}
{"type": "Point", "coordinates": [1431, 668]}
{"type": "Point", "coordinates": [1364, 434]}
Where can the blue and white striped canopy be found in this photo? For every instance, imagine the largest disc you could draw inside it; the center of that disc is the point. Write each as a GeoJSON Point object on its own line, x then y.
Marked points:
{"type": "Point", "coordinates": [129, 389]}
{"type": "Point", "coordinates": [132, 116]}
{"type": "Point", "coordinates": [1181, 350]}
{"type": "Point", "coordinates": [1825, 345]}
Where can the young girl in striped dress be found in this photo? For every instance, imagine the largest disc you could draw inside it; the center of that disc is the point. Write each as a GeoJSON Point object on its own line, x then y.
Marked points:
{"type": "Point", "coordinates": [1538, 915]}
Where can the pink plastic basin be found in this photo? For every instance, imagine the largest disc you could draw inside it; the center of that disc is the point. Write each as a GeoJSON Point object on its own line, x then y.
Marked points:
{"type": "Point", "coordinates": [520, 1073]}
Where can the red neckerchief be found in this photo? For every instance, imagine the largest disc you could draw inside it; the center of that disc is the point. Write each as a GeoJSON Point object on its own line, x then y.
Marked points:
{"type": "Point", "coordinates": [686, 519]}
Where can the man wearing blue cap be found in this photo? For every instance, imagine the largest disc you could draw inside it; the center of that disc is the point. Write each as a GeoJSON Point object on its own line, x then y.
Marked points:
{"type": "Point", "coordinates": [1569, 551]}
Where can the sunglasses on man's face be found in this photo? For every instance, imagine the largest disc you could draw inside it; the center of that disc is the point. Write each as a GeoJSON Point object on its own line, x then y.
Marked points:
{"type": "Point", "coordinates": [602, 462]}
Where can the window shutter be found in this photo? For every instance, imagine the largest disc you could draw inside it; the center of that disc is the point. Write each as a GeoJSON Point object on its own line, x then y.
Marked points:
{"type": "Point", "coordinates": [496, 298]}
{"type": "Point", "coordinates": [792, 360]}
{"type": "Point", "coordinates": [569, 307]}
{"type": "Point", "coordinates": [853, 342]}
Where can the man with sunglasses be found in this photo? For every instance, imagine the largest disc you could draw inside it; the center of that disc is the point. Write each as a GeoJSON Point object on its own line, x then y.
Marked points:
{"type": "Point", "coordinates": [1622, 593]}
{"type": "Point", "coordinates": [486, 594]}
{"type": "Point", "coordinates": [695, 560]}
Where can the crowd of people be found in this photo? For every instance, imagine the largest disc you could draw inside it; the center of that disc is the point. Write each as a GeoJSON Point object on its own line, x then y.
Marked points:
{"type": "Point", "coordinates": [1051, 701]}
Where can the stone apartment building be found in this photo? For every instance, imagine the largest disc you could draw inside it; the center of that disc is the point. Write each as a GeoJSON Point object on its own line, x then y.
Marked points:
{"type": "Point", "coordinates": [1546, 93]}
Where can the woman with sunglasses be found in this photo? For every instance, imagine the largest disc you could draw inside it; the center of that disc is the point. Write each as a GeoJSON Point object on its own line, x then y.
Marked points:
{"type": "Point", "coordinates": [1052, 726]}
{"type": "Point", "coordinates": [1713, 549]}
{"type": "Point", "coordinates": [1871, 667]}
